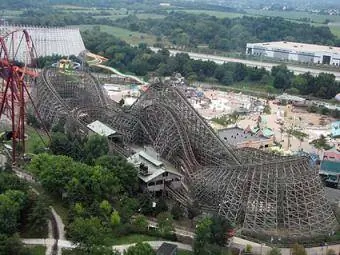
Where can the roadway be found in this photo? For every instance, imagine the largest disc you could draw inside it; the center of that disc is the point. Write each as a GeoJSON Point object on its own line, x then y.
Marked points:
{"type": "Point", "coordinates": [253, 63]}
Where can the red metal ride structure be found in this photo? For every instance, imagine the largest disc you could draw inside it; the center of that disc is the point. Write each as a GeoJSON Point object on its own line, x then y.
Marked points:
{"type": "Point", "coordinates": [17, 73]}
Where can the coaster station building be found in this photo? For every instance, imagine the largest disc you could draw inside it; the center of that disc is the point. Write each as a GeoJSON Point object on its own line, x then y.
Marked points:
{"type": "Point", "coordinates": [300, 52]}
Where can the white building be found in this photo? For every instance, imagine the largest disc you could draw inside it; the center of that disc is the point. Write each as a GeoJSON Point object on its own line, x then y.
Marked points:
{"type": "Point", "coordinates": [153, 173]}
{"type": "Point", "coordinates": [300, 52]}
{"type": "Point", "coordinates": [47, 41]}
{"type": "Point", "coordinates": [101, 129]}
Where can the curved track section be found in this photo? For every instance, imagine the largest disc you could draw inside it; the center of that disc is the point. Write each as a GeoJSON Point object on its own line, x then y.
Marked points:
{"type": "Point", "coordinates": [264, 194]}
{"type": "Point", "coordinates": [56, 93]}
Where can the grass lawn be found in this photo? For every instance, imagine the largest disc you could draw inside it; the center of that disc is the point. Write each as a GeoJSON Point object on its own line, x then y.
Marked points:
{"type": "Point", "coordinates": [134, 238]}
{"type": "Point", "coordinates": [217, 14]}
{"type": "Point", "coordinates": [335, 29]}
{"type": "Point", "coordinates": [37, 250]}
{"type": "Point", "coordinates": [150, 16]}
{"type": "Point", "coordinates": [34, 139]}
{"type": "Point", "coordinates": [183, 252]}
{"type": "Point", "coordinates": [295, 15]}
{"type": "Point", "coordinates": [129, 36]}
{"type": "Point", "coordinates": [57, 204]}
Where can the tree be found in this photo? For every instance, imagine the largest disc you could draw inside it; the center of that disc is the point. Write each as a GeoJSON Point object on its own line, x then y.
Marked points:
{"type": "Point", "coordinates": [124, 171]}
{"type": "Point", "coordinates": [202, 236]}
{"type": "Point", "coordinates": [115, 218]}
{"type": "Point", "coordinates": [219, 229]}
{"type": "Point", "coordinates": [274, 251]}
{"type": "Point", "coordinates": [88, 233]}
{"type": "Point", "coordinates": [11, 204]}
{"type": "Point", "coordinates": [140, 249]}
{"type": "Point", "coordinates": [298, 249]}
{"type": "Point", "coordinates": [267, 109]}
{"type": "Point", "coordinates": [95, 147]}
{"type": "Point", "coordinates": [282, 77]}
{"type": "Point", "coordinates": [12, 245]}
{"type": "Point", "coordinates": [248, 248]}
{"type": "Point", "coordinates": [39, 214]}
{"type": "Point", "coordinates": [165, 223]}
{"type": "Point", "coordinates": [60, 144]}
{"type": "Point", "coordinates": [330, 252]}
{"type": "Point", "coordinates": [140, 223]}
{"type": "Point", "coordinates": [177, 211]}
{"type": "Point", "coordinates": [321, 143]}
{"type": "Point", "coordinates": [161, 206]}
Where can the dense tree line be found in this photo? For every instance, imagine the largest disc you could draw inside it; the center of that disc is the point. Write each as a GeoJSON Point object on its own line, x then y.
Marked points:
{"type": "Point", "coordinates": [191, 30]}
{"type": "Point", "coordinates": [141, 61]}
{"type": "Point", "coordinates": [100, 191]}
{"type": "Point", "coordinates": [211, 236]}
{"type": "Point", "coordinates": [321, 86]}
{"type": "Point", "coordinates": [20, 209]}
{"type": "Point", "coordinates": [227, 34]}
{"type": "Point", "coordinates": [22, 4]}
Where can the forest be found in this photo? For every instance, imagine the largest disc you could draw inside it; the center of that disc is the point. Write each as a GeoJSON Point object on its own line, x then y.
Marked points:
{"type": "Point", "coordinates": [141, 61]}
{"type": "Point", "coordinates": [190, 30]}
{"type": "Point", "coordinates": [227, 34]}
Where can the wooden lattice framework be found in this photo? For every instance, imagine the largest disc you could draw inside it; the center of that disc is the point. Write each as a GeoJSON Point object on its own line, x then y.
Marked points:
{"type": "Point", "coordinates": [264, 194]}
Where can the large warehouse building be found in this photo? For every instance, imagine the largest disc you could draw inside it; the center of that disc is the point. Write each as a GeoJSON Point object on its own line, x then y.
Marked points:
{"type": "Point", "coordinates": [47, 41]}
{"type": "Point", "coordinates": [301, 52]}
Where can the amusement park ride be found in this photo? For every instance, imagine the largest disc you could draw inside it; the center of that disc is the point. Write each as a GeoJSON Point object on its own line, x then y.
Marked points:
{"type": "Point", "coordinates": [16, 77]}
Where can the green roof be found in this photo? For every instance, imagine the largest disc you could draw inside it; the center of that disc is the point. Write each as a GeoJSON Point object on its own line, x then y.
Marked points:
{"type": "Point", "coordinates": [267, 132]}
{"type": "Point", "coordinates": [330, 167]}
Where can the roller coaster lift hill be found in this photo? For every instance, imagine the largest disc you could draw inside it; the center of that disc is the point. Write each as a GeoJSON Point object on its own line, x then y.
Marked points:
{"type": "Point", "coordinates": [16, 77]}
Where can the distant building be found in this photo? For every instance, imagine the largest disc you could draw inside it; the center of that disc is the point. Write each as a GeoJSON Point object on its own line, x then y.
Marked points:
{"type": "Point", "coordinates": [330, 172]}
{"type": "Point", "coordinates": [254, 138]}
{"type": "Point", "coordinates": [330, 166]}
{"type": "Point", "coordinates": [336, 129]}
{"type": "Point", "coordinates": [290, 99]}
{"type": "Point", "coordinates": [167, 249]}
{"type": "Point", "coordinates": [332, 154]}
{"type": "Point", "coordinates": [300, 52]}
{"type": "Point", "coordinates": [153, 173]}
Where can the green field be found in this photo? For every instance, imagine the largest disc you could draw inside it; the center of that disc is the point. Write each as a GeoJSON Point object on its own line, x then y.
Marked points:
{"type": "Point", "coordinates": [37, 250]}
{"type": "Point", "coordinates": [130, 37]}
{"type": "Point", "coordinates": [335, 29]}
{"type": "Point", "coordinates": [295, 15]}
{"type": "Point", "coordinates": [36, 138]}
{"type": "Point", "coordinates": [217, 14]}
{"type": "Point", "coordinates": [134, 238]}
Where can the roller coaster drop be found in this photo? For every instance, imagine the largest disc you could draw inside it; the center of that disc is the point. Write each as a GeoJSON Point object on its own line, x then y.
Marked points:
{"type": "Point", "coordinates": [264, 194]}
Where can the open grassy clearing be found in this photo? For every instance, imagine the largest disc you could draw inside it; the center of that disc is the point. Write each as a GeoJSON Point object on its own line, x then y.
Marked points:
{"type": "Point", "coordinates": [37, 250]}
{"type": "Point", "coordinates": [217, 14]}
{"type": "Point", "coordinates": [134, 238]}
{"type": "Point", "coordinates": [335, 29]}
{"type": "Point", "coordinates": [129, 36]}
{"type": "Point", "coordinates": [295, 15]}
{"type": "Point", "coordinates": [69, 6]}
{"type": "Point", "coordinates": [183, 252]}
{"type": "Point", "coordinates": [36, 138]}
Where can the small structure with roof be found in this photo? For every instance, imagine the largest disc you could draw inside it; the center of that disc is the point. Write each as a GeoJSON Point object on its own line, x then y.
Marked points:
{"type": "Point", "coordinates": [154, 174]}
{"type": "Point", "coordinates": [290, 99]}
{"type": "Point", "coordinates": [336, 129]}
{"type": "Point", "coordinates": [100, 128]}
{"type": "Point", "coordinates": [254, 138]}
{"type": "Point", "coordinates": [167, 249]}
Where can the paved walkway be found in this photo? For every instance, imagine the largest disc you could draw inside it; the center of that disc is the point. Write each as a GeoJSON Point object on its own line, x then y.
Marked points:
{"type": "Point", "coordinates": [69, 245]}
{"type": "Point", "coordinates": [50, 241]}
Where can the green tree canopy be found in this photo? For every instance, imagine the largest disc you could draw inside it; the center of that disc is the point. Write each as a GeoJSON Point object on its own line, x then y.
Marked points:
{"type": "Point", "coordinates": [140, 249]}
